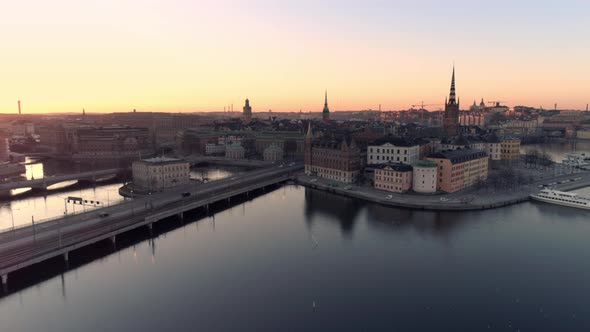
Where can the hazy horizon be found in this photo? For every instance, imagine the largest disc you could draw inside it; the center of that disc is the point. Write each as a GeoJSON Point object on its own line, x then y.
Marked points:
{"type": "Point", "coordinates": [181, 56]}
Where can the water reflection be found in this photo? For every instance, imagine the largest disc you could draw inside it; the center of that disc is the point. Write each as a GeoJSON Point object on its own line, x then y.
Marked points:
{"type": "Point", "coordinates": [393, 219]}
{"type": "Point", "coordinates": [320, 205]}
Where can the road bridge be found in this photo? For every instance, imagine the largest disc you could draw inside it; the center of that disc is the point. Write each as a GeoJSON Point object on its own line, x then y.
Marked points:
{"type": "Point", "coordinates": [25, 246]}
{"type": "Point", "coordinates": [43, 183]}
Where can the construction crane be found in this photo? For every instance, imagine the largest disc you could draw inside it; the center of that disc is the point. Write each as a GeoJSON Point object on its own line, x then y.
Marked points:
{"type": "Point", "coordinates": [422, 108]}
{"type": "Point", "coordinates": [422, 105]}
{"type": "Point", "coordinates": [496, 102]}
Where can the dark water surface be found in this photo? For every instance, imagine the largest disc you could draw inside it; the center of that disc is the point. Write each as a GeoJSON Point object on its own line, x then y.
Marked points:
{"type": "Point", "coordinates": [302, 260]}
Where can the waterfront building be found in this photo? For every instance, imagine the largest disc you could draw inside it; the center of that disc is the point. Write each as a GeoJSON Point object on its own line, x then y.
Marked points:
{"type": "Point", "coordinates": [235, 151]}
{"type": "Point", "coordinates": [393, 177]}
{"type": "Point", "coordinates": [273, 153]}
{"type": "Point", "coordinates": [247, 113]}
{"type": "Point", "coordinates": [326, 110]}
{"type": "Point", "coordinates": [451, 115]}
{"type": "Point", "coordinates": [425, 173]}
{"type": "Point", "coordinates": [393, 150]}
{"type": "Point", "coordinates": [155, 174]}
{"type": "Point", "coordinates": [460, 169]}
{"type": "Point", "coordinates": [332, 158]}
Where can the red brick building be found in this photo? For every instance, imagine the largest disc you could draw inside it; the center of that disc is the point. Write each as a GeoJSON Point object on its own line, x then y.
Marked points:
{"type": "Point", "coordinates": [334, 159]}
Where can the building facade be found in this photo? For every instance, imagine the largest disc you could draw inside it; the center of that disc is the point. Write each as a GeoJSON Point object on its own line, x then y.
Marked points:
{"type": "Point", "coordinates": [393, 177]}
{"type": "Point", "coordinates": [398, 152]}
{"type": "Point", "coordinates": [460, 169]}
{"type": "Point", "coordinates": [155, 174]}
{"type": "Point", "coordinates": [333, 159]}
{"type": "Point", "coordinates": [4, 150]}
{"type": "Point", "coordinates": [235, 151]}
{"type": "Point", "coordinates": [510, 148]}
{"type": "Point", "coordinates": [112, 142]}
{"type": "Point", "coordinates": [213, 149]}
{"type": "Point", "coordinates": [273, 153]}
{"type": "Point", "coordinates": [425, 177]}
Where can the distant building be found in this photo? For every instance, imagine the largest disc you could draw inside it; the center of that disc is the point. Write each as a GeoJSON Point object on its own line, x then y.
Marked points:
{"type": "Point", "coordinates": [4, 150]}
{"type": "Point", "coordinates": [213, 149]}
{"type": "Point", "coordinates": [393, 150]}
{"type": "Point", "coordinates": [460, 169]}
{"type": "Point", "coordinates": [425, 177]}
{"type": "Point", "coordinates": [273, 153]}
{"type": "Point", "coordinates": [394, 177]}
{"type": "Point", "coordinates": [112, 142]}
{"type": "Point", "coordinates": [510, 149]}
{"type": "Point", "coordinates": [451, 116]}
{"type": "Point", "coordinates": [326, 110]}
{"type": "Point", "coordinates": [235, 151]}
{"type": "Point", "coordinates": [247, 114]}
{"type": "Point", "coordinates": [156, 174]}
{"type": "Point", "coordinates": [334, 159]}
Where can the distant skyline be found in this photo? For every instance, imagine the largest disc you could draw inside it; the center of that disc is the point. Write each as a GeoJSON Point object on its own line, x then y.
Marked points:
{"type": "Point", "coordinates": [191, 56]}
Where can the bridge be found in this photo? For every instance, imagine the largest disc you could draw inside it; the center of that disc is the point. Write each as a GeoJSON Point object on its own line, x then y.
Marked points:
{"type": "Point", "coordinates": [25, 246]}
{"type": "Point", "coordinates": [196, 160]}
{"type": "Point", "coordinates": [43, 183]}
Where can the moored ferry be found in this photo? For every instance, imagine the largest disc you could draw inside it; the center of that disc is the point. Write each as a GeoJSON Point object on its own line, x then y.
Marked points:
{"type": "Point", "coordinates": [562, 198]}
{"type": "Point", "coordinates": [577, 159]}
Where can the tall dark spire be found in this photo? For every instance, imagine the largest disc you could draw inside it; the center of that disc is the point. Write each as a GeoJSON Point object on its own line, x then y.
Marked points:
{"type": "Point", "coordinates": [326, 110]}
{"type": "Point", "coordinates": [452, 95]}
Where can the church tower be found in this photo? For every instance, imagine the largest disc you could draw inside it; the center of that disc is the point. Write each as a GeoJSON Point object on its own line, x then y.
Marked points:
{"type": "Point", "coordinates": [247, 114]}
{"type": "Point", "coordinates": [326, 110]}
{"type": "Point", "coordinates": [451, 117]}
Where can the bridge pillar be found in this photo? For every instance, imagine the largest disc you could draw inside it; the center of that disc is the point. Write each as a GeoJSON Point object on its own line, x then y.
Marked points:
{"type": "Point", "coordinates": [150, 226]}
{"type": "Point", "coordinates": [181, 215]}
{"type": "Point", "coordinates": [4, 280]}
{"type": "Point", "coordinates": [67, 256]}
{"type": "Point", "coordinates": [113, 240]}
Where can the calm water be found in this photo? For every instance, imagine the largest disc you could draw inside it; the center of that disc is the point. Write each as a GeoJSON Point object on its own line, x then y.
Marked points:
{"type": "Point", "coordinates": [559, 150]}
{"type": "Point", "coordinates": [298, 259]}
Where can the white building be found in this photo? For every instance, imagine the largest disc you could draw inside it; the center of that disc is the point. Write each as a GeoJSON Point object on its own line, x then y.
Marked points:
{"type": "Point", "coordinates": [397, 151]}
{"type": "Point", "coordinates": [235, 151]}
{"type": "Point", "coordinates": [159, 173]}
{"type": "Point", "coordinates": [425, 177]}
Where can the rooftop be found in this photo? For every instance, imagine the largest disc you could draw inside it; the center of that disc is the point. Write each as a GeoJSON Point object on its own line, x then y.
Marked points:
{"type": "Point", "coordinates": [161, 160]}
{"type": "Point", "coordinates": [459, 155]}
{"type": "Point", "coordinates": [398, 167]}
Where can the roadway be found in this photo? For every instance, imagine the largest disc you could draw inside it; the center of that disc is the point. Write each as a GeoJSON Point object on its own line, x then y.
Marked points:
{"type": "Point", "coordinates": [27, 245]}
{"type": "Point", "coordinates": [46, 181]}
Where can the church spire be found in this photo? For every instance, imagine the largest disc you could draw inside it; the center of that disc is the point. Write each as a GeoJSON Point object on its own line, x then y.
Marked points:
{"type": "Point", "coordinates": [326, 110]}
{"type": "Point", "coordinates": [452, 96]}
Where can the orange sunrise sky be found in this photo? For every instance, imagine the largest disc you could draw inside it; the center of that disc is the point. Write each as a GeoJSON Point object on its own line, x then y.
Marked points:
{"type": "Point", "coordinates": [189, 56]}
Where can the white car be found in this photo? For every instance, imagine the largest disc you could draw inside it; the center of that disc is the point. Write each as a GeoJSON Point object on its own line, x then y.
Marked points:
{"type": "Point", "coordinates": [313, 180]}
{"type": "Point", "coordinates": [389, 197]}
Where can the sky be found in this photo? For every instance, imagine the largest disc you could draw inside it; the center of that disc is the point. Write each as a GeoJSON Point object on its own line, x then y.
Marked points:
{"type": "Point", "coordinates": [201, 55]}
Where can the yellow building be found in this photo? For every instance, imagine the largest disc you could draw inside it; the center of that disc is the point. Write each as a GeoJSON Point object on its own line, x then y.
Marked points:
{"type": "Point", "coordinates": [394, 177]}
{"type": "Point", "coordinates": [460, 169]}
{"type": "Point", "coordinates": [156, 174]}
{"type": "Point", "coordinates": [510, 148]}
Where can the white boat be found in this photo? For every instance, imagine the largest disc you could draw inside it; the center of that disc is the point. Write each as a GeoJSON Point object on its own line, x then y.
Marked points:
{"type": "Point", "coordinates": [577, 159]}
{"type": "Point", "coordinates": [562, 198]}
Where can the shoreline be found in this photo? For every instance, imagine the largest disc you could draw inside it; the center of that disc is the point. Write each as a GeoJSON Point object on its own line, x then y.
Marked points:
{"type": "Point", "coordinates": [459, 201]}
